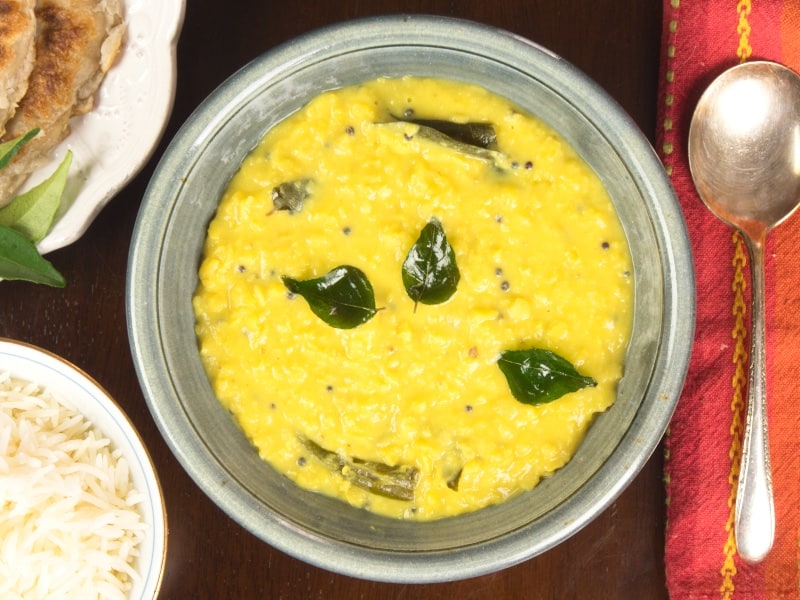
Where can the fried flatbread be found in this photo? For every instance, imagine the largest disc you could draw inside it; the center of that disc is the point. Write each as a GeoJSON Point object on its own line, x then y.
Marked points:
{"type": "Point", "coordinates": [76, 42]}
{"type": "Point", "coordinates": [17, 34]}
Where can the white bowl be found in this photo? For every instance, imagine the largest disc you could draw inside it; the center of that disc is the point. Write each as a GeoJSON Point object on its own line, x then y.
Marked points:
{"type": "Point", "coordinates": [66, 381]}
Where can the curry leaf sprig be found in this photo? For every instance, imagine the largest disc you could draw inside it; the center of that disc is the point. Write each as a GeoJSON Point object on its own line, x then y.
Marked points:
{"type": "Point", "coordinates": [27, 219]}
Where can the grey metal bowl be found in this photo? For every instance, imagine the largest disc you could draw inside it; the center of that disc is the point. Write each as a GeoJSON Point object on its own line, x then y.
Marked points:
{"type": "Point", "coordinates": [166, 250]}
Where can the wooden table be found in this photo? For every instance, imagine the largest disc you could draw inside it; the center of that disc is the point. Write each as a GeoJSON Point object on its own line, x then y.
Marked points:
{"type": "Point", "coordinates": [619, 555]}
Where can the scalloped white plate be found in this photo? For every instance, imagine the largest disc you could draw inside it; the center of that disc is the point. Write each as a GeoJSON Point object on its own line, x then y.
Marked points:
{"type": "Point", "coordinates": [112, 143]}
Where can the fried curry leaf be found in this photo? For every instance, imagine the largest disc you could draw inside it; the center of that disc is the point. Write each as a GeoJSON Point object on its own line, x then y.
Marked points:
{"type": "Point", "coordinates": [19, 259]}
{"type": "Point", "coordinates": [538, 376]}
{"type": "Point", "coordinates": [452, 481]}
{"type": "Point", "coordinates": [32, 212]}
{"type": "Point", "coordinates": [410, 131]}
{"type": "Point", "coordinates": [481, 135]}
{"type": "Point", "coordinates": [343, 297]}
{"type": "Point", "coordinates": [10, 148]}
{"type": "Point", "coordinates": [290, 195]}
{"type": "Point", "coordinates": [430, 272]}
{"type": "Point", "coordinates": [452, 468]}
{"type": "Point", "coordinates": [396, 482]}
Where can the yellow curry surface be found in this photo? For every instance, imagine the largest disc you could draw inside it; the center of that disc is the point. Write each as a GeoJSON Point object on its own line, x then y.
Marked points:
{"type": "Point", "coordinates": [543, 260]}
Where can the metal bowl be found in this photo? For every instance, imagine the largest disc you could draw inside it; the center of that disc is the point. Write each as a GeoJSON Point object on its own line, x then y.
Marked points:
{"type": "Point", "coordinates": [166, 251]}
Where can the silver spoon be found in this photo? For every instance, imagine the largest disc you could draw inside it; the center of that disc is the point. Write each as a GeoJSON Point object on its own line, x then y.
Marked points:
{"type": "Point", "coordinates": [744, 156]}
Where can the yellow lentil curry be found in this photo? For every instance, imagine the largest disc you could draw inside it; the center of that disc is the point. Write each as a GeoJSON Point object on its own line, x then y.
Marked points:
{"type": "Point", "coordinates": [412, 395]}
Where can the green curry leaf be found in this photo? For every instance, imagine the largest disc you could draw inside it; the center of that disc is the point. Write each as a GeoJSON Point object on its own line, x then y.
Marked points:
{"type": "Point", "coordinates": [473, 150]}
{"type": "Point", "coordinates": [430, 272]}
{"type": "Point", "coordinates": [343, 297]}
{"type": "Point", "coordinates": [538, 376]}
{"type": "Point", "coordinates": [19, 259]}
{"type": "Point", "coordinates": [32, 212]}
{"type": "Point", "coordinates": [27, 219]}
{"type": "Point", "coordinates": [481, 135]}
{"type": "Point", "coordinates": [10, 148]}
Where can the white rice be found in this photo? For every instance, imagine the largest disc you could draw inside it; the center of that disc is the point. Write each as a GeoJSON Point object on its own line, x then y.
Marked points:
{"type": "Point", "coordinates": [69, 525]}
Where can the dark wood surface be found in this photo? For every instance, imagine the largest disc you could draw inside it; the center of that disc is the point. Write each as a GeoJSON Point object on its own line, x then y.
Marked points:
{"type": "Point", "coordinates": [619, 555]}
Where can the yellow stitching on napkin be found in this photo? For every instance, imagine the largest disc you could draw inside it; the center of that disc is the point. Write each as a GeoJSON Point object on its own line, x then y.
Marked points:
{"type": "Point", "coordinates": [744, 51]}
{"type": "Point", "coordinates": [739, 383]}
{"type": "Point", "coordinates": [740, 357]}
{"type": "Point", "coordinates": [667, 160]}
{"type": "Point", "coordinates": [667, 146]}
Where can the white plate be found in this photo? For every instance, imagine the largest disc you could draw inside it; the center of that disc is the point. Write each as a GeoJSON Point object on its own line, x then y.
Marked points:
{"type": "Point", "coordinates": [112, 143]}
{"type": "Point", "coordinates": [72, 386]}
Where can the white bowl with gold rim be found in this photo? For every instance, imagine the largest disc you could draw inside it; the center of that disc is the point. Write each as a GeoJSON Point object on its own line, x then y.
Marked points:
{"type": "Point", "coordinates": [79, 391]}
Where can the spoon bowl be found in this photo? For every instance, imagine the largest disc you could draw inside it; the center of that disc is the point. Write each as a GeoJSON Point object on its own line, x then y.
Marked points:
{"type": "Point", "coordinates": [744, 145]}
{"type": "Point", "coordinates": [744, 156]}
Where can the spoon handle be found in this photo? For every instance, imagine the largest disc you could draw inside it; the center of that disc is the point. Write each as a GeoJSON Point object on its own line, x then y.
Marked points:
{"type": "Point", "coordinates": [755, 511]}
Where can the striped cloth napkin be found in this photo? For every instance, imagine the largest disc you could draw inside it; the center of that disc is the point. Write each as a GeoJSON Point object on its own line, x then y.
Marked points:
{"type": "Point", "coordinates": [701, 38]}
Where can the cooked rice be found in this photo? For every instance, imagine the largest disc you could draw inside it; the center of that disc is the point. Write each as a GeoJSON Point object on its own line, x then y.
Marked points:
{"type": "Point", "coordinates": [69, 522]}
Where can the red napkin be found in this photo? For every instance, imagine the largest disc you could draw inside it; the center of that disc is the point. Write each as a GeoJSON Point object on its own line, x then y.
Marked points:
{"type": "Point", "coordinates": [701, 38]}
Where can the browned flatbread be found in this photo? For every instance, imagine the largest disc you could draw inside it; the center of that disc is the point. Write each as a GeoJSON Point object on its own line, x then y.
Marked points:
{"type": "Point", "coordinates": [76, 42]}
{"type": "Point", "coordinates": [17, 34]}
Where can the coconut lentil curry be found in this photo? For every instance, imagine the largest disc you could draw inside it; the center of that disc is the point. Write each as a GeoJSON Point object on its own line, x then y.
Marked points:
{"type": "Point", "coordinates": [414, 298]}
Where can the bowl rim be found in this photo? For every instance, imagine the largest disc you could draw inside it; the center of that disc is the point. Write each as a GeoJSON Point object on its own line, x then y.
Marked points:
{"type": "Point", "coordinates": [93, 393]}
{"type": "Point", "coordinates": [668, 372]}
